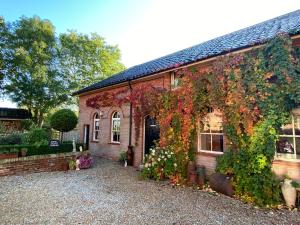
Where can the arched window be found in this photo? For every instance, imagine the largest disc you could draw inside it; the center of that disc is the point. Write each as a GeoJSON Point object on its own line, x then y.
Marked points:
{"type": "Point", "coordinates": [96, 127]}
{"type": "Point", "coordinates": [115, 127]}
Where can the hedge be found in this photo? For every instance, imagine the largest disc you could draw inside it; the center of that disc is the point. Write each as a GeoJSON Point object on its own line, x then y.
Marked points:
{"type": "Point", "coordinates": [39, 150]}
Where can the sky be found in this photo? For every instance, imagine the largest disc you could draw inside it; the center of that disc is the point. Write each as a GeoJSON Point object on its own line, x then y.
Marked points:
{"type": "Point", "coordinates": [148, 29]}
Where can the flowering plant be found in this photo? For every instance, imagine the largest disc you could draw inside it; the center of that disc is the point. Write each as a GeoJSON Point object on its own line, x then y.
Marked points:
{"type": "Point", "coordinates": [160, 164]}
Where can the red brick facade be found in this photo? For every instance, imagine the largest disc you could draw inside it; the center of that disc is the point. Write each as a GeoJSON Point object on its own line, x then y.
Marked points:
{"type": "Point", "coordinates": [104, 147]}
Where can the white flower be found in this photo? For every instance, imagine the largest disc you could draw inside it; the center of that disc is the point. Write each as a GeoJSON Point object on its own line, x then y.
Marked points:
{"type": "Point", "coordinates": [165, 159]}
{"type": "Point", "coordinates": [169, 156]}
{"type": "Point", "coordinates": [146, 165]}
{"type": "Point", "coordinates": [175, 164]}
{"type": "Point", "coordinates": [158, 159]}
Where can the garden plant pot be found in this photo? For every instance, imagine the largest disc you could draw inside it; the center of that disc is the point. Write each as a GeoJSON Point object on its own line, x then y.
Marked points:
{"type": "Point", "coordinates": [191, 166]}
{"type": "Point", "coordinates": [192, 177]}
{"type": "Point", "coordinates": [200, 176]}
{"type": "Point", "coordinates": [289, 193]}
{"type": "Point", "coordinates": [221, 183]}
{"type": "Point", "coordinates": [23, 152]}
{"type": "Point", "coordinates": [130, 156]}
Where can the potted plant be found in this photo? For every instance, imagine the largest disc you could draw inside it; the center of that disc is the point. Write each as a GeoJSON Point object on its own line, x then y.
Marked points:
{"type": "Point", "coordinates": [123, 158]}
{"type": "Point", "coordinates": [23, 152]}
{"type": "Point", "coordinates": [84, 161]}
{"type": "Point", "coordinates": [289, 191]}
{"type": "Point", "coordinates": [72, 164]}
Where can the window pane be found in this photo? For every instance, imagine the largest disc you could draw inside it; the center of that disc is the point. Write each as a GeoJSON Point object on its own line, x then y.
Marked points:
{"type": "Point", "coordinates": [217, 143]}
{"type": "Point", "coordinates": [96, 125]}
{"type": "Point", "coordinates": [285, 145]}
{"type": "Point", "coordinates": [205, 142]}
{"type": "Point", "coordinates": [206, 126]}
{"type": "Point", "coordinates": [298, 146]}
{"type": "Point", "coordinates": [297, 125]}
{"type": "Point", "coordinates": [116, 136]}
{"type": "Point", "coordinates": [286, 129]}
{"type": "Point", "coordinates": [96, 135]}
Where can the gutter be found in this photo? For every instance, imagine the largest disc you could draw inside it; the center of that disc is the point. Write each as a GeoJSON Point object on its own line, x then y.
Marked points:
{"type": "Point", "coordinates": [130, 115]}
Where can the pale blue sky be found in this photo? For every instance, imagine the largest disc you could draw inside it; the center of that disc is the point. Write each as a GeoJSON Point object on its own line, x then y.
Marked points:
{"type": "Point", "coordinates": [147, 29]}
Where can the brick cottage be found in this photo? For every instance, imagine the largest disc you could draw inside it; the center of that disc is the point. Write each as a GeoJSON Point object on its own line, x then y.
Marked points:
{"type": "Point", "coordinates": [109, 130]}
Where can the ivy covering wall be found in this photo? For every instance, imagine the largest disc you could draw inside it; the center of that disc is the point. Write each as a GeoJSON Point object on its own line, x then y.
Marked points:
{"type": "Point", "coordinates": [255, 91]}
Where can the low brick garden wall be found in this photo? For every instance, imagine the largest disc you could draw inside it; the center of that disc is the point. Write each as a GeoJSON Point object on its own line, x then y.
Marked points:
{"type": "Point", "coordinates": [37, 163]}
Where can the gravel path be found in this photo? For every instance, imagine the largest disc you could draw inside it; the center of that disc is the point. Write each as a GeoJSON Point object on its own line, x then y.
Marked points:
{"type": "Point", "coordinates": [111, 194]}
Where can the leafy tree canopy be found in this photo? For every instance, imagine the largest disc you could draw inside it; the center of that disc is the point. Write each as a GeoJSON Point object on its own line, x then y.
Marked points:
{"type": "Point", "coordinates": [32, 78]}
{"type": "Point", "coordinates": [38, 70]}
{"type": "Point", "coordinates": [86, 59]}
{"type": "Point", "coordinates": [63, 120]}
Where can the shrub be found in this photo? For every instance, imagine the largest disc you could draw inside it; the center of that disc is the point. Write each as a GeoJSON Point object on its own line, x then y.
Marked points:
{"type": "Point", "coordinates": [37, 136]}
{"type": "Point", "coordinates": [160, 164]}
{"type": "Point", "coordinates": [122, 157]}
{"type": "Point", "coordinates": [39, 150]}
{"type": "Point", "coordinates": [63, 120]}
{"type": "Point", "coordinates": [11, 139]}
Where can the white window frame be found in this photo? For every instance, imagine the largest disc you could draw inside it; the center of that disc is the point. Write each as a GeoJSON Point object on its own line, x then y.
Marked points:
{"type": "Point", "coordinates": [281, 155]}
{"type": "Point", "coordinates": [113, 120]}
{"type": "Point", "coordinates": [174, 81]}
{"type": "Point", "coordinates": [211, 137]}
{"type": "Point", "coordinates": [96, 129]}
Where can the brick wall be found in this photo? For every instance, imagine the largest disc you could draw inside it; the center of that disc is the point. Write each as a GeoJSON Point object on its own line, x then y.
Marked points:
{"type": "Point", "coordinates": [279, 167]}
{"type": "Point", "coordinates": [104, 147]}
{"type": "Point", "coordinates": [38, 163]}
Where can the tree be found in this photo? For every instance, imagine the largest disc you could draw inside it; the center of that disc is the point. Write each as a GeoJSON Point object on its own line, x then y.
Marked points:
{"type": "Point", "coordinates": [2, 41]}
{"type": "Point", "coordinates": [32, 78]}
{"type": "Point", "coordinates": [63, 120]}
{"type": "Point", "coordinates": [86, 59]}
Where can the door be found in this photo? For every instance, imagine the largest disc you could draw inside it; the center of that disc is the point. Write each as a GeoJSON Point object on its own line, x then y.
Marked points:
{"type": "Point", "coordinates": [151, 133]}
{"type": "Point", "coordinates": [86, 137]}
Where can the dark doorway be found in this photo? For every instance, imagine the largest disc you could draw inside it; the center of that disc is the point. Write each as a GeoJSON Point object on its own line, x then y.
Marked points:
{"type": "Point", "coordinates": [86, 136]}
{"type": "Point", "coordinates": [151, 133]}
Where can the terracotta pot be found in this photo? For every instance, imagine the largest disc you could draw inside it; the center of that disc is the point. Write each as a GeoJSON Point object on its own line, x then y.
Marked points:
{"type": "Point", "coordinates": [192, 177]}
{"type": "Point", "coordinates": [130, 156]}
{"type": "Point", "coordinates": [289, 193]}
{"type": "Point", "coordinates": [191, 166]}
{"type": "Point", "coordinates": [200, 176]}
{"type": "Point", "coordinates": [23, 152]}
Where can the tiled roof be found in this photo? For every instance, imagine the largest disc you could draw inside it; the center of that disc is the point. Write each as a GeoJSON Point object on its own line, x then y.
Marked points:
{"type": "Point", "coordinates": [250, 36]}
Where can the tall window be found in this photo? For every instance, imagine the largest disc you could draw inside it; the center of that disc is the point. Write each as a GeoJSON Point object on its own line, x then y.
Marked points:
{"type": "Point", "coordinates": [96, 127]}
{"type": "Point", "coordinates": [211, 138]}
{"type": "Point", "coordinates": [115, 127]}
{"type": "Point", "coordinates": [176, 80]}
{"type": "Point", "coordinates": [288, 145]}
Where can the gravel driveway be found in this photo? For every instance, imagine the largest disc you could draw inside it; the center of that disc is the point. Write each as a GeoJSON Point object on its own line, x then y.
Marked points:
{"type": "Point", "coordinates": [111, 194]}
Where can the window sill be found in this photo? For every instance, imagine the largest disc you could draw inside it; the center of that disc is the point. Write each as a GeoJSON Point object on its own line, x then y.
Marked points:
{"type": "Point", "coordinates": [286, 159]}
{"type": "Point", "coordinates": [209, 153]}
{"type": "Point", "coordinates": [114, 143]}
{"type": "Point", "coordinates": [93, 141]}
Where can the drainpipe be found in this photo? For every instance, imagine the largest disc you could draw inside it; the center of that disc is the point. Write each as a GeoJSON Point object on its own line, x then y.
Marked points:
{"type": "Point", "coordinates": [130, 152]}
